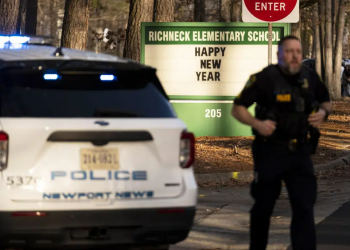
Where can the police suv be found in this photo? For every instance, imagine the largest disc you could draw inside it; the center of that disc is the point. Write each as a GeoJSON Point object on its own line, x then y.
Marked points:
{"type": "Point", "coordinates": [91, 152]}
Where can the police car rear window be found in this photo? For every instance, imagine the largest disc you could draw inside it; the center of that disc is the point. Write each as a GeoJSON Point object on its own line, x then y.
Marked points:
{"type": "Point", "coordinates": [85, 94]}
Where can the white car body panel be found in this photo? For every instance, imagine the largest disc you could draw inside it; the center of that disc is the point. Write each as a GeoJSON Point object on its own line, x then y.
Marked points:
{"type": "Point", "coordinates": [31, 155]}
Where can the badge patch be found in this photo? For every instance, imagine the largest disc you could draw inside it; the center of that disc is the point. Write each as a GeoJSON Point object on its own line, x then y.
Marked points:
{"type": "Point", "coordinates": [251, 80]}
{"type": "Point", "coordinates": [306, 84]}
{"type": "Point", "coordinates": [284, 98]}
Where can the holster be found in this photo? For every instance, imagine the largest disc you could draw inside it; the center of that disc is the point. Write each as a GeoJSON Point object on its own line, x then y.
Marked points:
{"type": "Point", "coordinates": [313, 140]}
{"type": "Point", "coordinates": [314, 133]}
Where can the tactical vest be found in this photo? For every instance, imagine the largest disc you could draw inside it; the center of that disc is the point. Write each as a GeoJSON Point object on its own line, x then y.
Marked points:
{"type": "Point", "coordinates": [291, 106]}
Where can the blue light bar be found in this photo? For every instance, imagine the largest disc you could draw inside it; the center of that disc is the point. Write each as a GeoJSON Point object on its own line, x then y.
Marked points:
{"type": "Point", "coordinates": [50, 76]}
{"type": "Point", "coordinates": [19, 39]}
{"type": "Point", "coordinates": [107, 77]}
{"type": "Point", "coordinates": [14, 39]}
{"type": "Point", "coordinates": [4, 39]}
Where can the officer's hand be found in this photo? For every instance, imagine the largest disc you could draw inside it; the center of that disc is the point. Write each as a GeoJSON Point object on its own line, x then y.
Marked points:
{"type": "Point", "coordinates": [317, 118]}
{"type": "Point", "coordinates": [265, 128]}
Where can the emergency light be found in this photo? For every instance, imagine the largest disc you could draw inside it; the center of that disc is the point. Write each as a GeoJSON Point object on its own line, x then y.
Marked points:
{"type": "Point", "coordinates": [54, 76]}
{"type": "Point", "coordinates": [107, 77]}
{"type": "Point", "coordinates": [14, 39]}
{"type": "Point", "coordinates": [50, 76]}
{"type": "Point", "coordinates": [18, 39]}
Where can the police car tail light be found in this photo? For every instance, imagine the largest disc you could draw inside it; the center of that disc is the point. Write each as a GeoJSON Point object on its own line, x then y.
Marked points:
{"type": "Point", "coordinates": [186, 150]}
{"type": "Point", "coordinates": [4, 142]}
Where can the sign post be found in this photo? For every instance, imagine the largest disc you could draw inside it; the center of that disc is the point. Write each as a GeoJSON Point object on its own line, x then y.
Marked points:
{"type": "Point", "coordinates": [273, 11]}
{"type": "Point", "coordinates": [270, 44]}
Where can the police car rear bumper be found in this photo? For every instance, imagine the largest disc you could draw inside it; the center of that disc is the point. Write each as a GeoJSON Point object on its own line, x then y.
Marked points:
{"type": "Point", "coordinates": [102, 228]}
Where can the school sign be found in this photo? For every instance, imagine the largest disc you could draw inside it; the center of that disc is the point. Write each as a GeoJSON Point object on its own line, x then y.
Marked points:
{"type": "Point", "coordinates": [203, 66]}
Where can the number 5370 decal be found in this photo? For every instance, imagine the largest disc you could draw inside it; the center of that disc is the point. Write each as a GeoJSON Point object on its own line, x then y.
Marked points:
{"type": "Point", "coordinates": [22, 180]}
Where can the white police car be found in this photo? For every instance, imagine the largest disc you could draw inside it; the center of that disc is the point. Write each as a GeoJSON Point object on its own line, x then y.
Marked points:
{"type": "Point", "coordinates": [91, 152]}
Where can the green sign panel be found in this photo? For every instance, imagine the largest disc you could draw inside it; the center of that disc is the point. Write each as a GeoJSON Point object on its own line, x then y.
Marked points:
{"type": "Point", "coordinates": [203, 66]}
{"type": "Point", "coordinates": [210, 35]}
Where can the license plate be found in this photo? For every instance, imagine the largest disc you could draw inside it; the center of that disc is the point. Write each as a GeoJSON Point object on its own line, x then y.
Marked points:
{"type": "Point", "coordinates": [96, 159]}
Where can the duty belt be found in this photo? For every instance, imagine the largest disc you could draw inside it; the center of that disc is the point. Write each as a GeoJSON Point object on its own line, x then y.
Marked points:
{"type": "Point", "coordinates": [291, 144]}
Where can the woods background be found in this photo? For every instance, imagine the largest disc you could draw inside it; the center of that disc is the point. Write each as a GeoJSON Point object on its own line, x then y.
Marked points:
{"type": "Point", "coordinates": [113, 26]}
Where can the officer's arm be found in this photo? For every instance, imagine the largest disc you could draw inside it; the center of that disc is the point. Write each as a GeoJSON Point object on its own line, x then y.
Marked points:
{"type": "Point", "coordinates": [242, 114]}
{"type": "Point", "coordinates": [244, 100]}
{"type": "Point", "coordinates": [327, 106]}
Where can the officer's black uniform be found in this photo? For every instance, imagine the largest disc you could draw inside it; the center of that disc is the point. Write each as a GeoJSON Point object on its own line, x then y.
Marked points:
{"type": "Point", "coordinates": [288, 100]}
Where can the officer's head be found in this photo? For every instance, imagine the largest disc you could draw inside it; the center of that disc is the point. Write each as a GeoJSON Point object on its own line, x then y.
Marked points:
{"type": "Point", "coordinates": [290, 54]}
{"type": "Point", "coordinates": [347, 69]}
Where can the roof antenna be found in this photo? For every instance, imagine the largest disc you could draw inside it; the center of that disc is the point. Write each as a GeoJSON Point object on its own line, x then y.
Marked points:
{"type": "Point", "coordinates": [58, 52]}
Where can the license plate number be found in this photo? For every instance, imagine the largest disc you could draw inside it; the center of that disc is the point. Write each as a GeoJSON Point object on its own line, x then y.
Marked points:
{"type": "Point", "coordinates": [95, 159]}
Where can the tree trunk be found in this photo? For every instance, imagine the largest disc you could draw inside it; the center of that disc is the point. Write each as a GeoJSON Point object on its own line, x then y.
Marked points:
{"type": "Point", "coordinates": [346, 48]}
{"type": "Point", "coordinates": [43, 18]}
{"type": "Point", "coordinates": [296, 27]}
{"type": "Point", "coordinates": [75, 24]}
{"type": "Point", "coordinates": [333, 22]}
{"type": "Point", "coordinates": [8, 16]}
{"type": "Point", "coordinates": [224, 8]}
{"type": "Point", "coordinates": [335, 4]}
{"type": "Point", "coordinates": [31, 17]}
{"type": "Point", "coordinates": [236, 11]}
{"type": "Point", "coordinates": [140, 11]}
{"type": "Point", "coordinates": [346, 41]}
{"type": "Point", "coordinates": [329, 48]}
{"type": "Point", "coordinates": [53, 20]}
{"type": "Point", "coordinates": [313, 53]}
{"type": "Point", "coordinates": [321, 15]}
{"type": "Point", "coordinates": [164, 11]}
{"type": "Point", "coordinates": [318, 63]}
{"type": "Point", "coordinates": [338, 52]}
{"type": "Point", "coordinates": [311, 42]}
{"type": "Point", "coordinates": [305, 39]}
{"type": "Point", "coordinates": [199, 10]}
{"type": "Point", "coordinates": [21, 20]}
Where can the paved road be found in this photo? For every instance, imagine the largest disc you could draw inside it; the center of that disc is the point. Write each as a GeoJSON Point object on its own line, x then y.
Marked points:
{"type": "Point", "coordinates": [333, 233]}
{"type": "Point", "coordinates": [222, 220]}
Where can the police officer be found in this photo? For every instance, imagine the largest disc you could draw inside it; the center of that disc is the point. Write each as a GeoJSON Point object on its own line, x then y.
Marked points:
{"type": "Point", "coordinates": [345, 81]}
{"type": "Point", "coordinates": [291, 102]}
